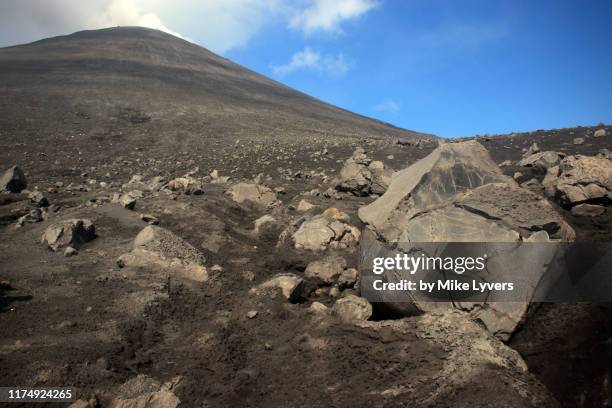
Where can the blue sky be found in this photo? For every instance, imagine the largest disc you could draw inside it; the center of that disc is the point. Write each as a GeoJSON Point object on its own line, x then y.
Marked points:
{"type": "Point", "coordinates": [452, 68]}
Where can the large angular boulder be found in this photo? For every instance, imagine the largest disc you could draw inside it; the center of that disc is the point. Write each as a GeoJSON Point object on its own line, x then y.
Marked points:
{"type": "Point", "coordinates": [161, 250]}
{"type": "Point", "coordinates": [458, 194]}
{"type": "Point", "coordinates": [361, 176]}
{"type": "Point", "coordinates": [430, 183]}
{"type": "Point", "coordinates": [580, 179]}
{"type": "Point", "coordinates": [70, 233]}
{"type": "Point", "coordinates": [460, 191]}
{"type": "Point", "coordinates": [252, 192]}
{"type": "Point", "coordinates": [13, 180]}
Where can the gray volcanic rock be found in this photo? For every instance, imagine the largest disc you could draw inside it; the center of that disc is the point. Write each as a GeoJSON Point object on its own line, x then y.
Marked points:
{"type": "Point", "coordinates": [534, 148]}
{"type": "Point", "coordinates": [35, 215]}
{"type": "Point", "coordinates": [13, 180]}
{"type": "Point", "coordinates": [38, 199]}
{"type": "Point", "coordinates": [352, 308]}
{"type": "Point", "coordinates": [70, 233]}
{"type": "Point", "coordinates": [255, 193]}
{"type": "Point", "coordinates": [452, 224]}
{"type": "Point", "coordinates": [580, 179]}
{"type": "Point", "coordinates": [430, 183]}
{"type": "Point", "coordinates": [304, 206]}
{"type": "Point", "coordinates": [160, 250]}
{"type": "Point", "coordinates": [604, 154]}
{"type": "Point", "coordinates": [588, 210]}
{"type": "Point", "coordinates": [361, 176]}
{"type": "Point", "coordinates": [143, 391]}
{"type": "Point", "coordinates": [125, 200]}
{"type": "Point", "coordinates": [326, 270]}
{"type": "Point", "coordinates": [328, 229]}
{"type": "Point", "coordinates": [458, 183]}
{"type": "Point", "coordinates": [474, 355]}
{"type": "Point", "coordinates": [600, 133]}
{"type": "Point", "coordinates": [157, 239]}
{"type": "Point", "coordinates": [517, 208]}
{"type": "Point", "coordinates": [457, 194]}
{"type": "Point", "coordinates": [290, 285]}
{"type": "Point", "coordinates": [544, 160]}
{"type": "Point", "coordinates": [185, 185]}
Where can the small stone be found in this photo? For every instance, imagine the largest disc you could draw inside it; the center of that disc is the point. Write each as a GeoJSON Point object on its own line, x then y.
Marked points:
{"type": "Point", "coordinates": [304, 206]}
{"type": "Point", "coordinates": [604, 154]}
{"type": "Point", "coordinates": [150, 219]}
{"type": "Point", "coordinates": [35, 215]}
{"type": "Point", "coordinates": [578, 141]}
{"type": "Point", "coordinates": [348, 278]}
{"type": "Point", "coordinates": [600, 133]}
{"type": "Point", "coordinates": [318, 308]}
{"type": "Point", "coordinates": [352, 308]}
{"type": "Point", "coordinates": [127, 201]}
{"type": "Point", "coordinates": [38, 199]}
{"type": "Point", "coordinates": [70, 251]}
{"type": "Point", "coordinates": [261, 223]}
{"type": "Point", "coordinates": [327, 270]}
{"type": "Point", "coordinates": [290, 285]}
{"type": "Point", "coordinates": [532, 150]}
{"type": "Point", "coordinates": [251, 314]}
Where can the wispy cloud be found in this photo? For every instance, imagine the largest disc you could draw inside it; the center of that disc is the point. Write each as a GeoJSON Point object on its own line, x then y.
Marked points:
{"type": "Point", "coordinates": [328, 15]}
{"type": "Point", "coordinates": [388, 105]}
{"type": "Point", "coordinates": [311, 60]}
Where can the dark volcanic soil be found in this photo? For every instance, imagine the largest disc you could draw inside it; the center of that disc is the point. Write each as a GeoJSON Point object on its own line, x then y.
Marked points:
{"type": "Point", "coordinates": [106, 113]}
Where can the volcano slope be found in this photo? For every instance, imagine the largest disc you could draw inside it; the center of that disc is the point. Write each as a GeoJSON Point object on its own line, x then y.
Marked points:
{"type": "Point", "coordinates": [129, 127]}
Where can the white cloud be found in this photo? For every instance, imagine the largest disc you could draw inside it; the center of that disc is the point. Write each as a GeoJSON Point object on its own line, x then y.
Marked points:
{"type": "Point", "coordinates": [222, 25]}
{"type": "Point", "coordinates": [219, 25]}
{"type": "Point", "coordinates": [311, 60]}
{"type": "Point", "coordinates": [328, 15]}
{"type": "Point", "coordinates": [29, 20]}
{"type": "Point", "coordinates": [216, 24]}
{"type": "Point", "coordinates": [389, 105]}
{"type": "Point", "coordinates": [128, 13]}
